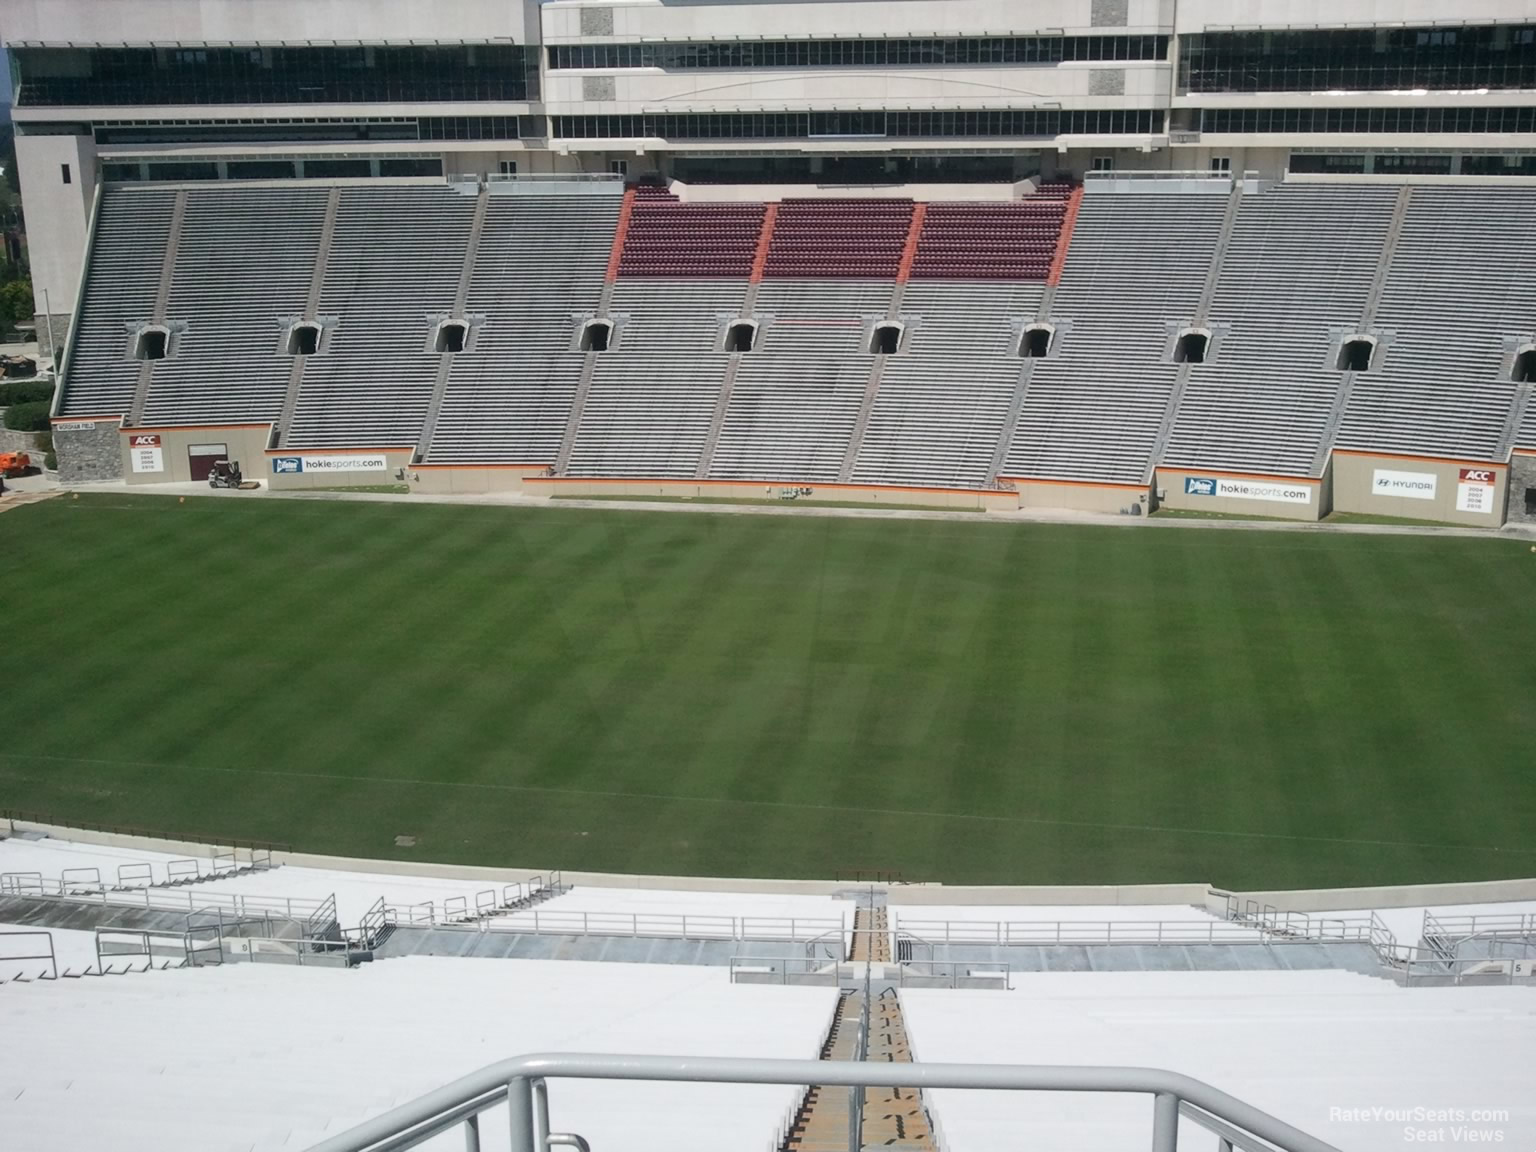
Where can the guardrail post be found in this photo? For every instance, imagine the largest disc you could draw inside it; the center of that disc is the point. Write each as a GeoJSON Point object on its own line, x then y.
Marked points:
{"type": "Point", "coordinates": [541, 1115]}
{"type": "Point", "coordinates": [520, 1114]}
{"type": "Point", "coordinates": [1165, 1122]}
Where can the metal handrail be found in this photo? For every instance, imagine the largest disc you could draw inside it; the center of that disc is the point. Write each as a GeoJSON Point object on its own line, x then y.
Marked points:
{"type": "Point", "coordinates": [533, 178]}
{"type": "Point", "coordinates": [1051, 932]}
{"type": "Point", "coordinates": [684, 926]}
{"type": "Point", "coordinates": [519, 1081]}
{"type": "Point", "coordinates": [50, 955]}
{"type": "Point", "coordinates": [1480, 924]}
{"type": "Point", "coordinates": [183, 898]}
{"type": "Point", "coordinates": [972, 973]}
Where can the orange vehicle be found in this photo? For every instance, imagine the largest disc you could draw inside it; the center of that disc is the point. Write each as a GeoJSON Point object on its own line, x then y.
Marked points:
{"type": "Point", "coordinates": [14, 463]}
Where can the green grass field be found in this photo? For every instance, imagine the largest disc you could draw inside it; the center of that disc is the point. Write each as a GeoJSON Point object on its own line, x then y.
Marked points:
{"type": "Point", "coordinates": [776, 696]}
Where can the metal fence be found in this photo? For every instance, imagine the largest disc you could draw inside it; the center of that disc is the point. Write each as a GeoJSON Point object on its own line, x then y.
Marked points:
{"type": "Point", "coordinates": [153, 899]}
{"type": "Point", "coordinates": [1084, 932]}
{"type": "Point", "coordinates": [27, 947]}
{"type": "Point", "coordinates": [687, 927]}
{"type": "Point", "coordinates": [954, 974]}
{"type": "Point", "coordinates": [521, 1084]}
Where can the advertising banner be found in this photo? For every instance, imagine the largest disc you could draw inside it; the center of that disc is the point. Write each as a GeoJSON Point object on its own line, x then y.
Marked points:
{"type": "Point", "coordinates": [361, 462]}
{"type": "Point", "coordinates": [1475, 490]}
{"type": "Point", "coordinates": [145, 453]}
{"type": "Point", "coordinates": [1410, 485]}
{"type": "Point", "coordinates": [1233, 489]}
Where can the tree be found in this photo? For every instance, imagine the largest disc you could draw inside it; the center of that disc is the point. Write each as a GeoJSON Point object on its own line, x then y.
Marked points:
{"type": "Point", "coordinates": [16, 302]}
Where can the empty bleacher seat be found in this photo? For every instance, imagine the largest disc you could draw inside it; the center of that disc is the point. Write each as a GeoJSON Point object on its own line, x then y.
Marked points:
{"type": "Point", "coordinates": [245, 260]}
{"type": "Point", "coordinates": [1298, 267]}
{"type": "Point", "coordinates": [541, 260]}
{"type": "Point", "coordinates": [1006, 241]}
{"type": "Point", "coordinates": [119, 290]}
{"type": "Point", "coordinates": [396, 258]}
{"type": "Point", "coordinates": [942, 405]}
{"type": "Point", "coordinates": [653, 396]}
{"type": "Point", "coordinates": [839, 239]}
{"type": "Point", "coordinates": [797, 397]}
{"type": "Point", "coordinates": [1137, 262]}
{"type": "Point", "coordinates": [667, 238]}
{"type": "Point", "coordinates": [1460, 283]}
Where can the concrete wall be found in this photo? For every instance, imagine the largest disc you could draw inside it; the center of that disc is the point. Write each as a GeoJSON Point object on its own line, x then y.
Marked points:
{"type": "Point", "coordinates": [706, 490]}
{"type": "Point", "coordinates": [440, 478]}
{"type": "Point", "coordinates": [13, 441]}
{"type": "Point", "coordinates": [242, 442]}
{"type": "Point", "coordinates": [1110, 499]}
{"type": "Point", "coordinates": [1416, 488]}
{"type": "Point", "coordinates": [568, 21]}
{"type": "Point", "coordinates": [1194, 15]}
{"type": "Point", "coordinates": [1146, 84]}
{"type": "Point", "coordinates": [326, 468]}
{"type": "Point", "coordinates": [88, 450]}
{"type": "Point", "coordinates": [52, 330]}
{"type": "Point", "coordinates": [1406, 896]}
{"type": "Point", "coordinates": [1522, 479]}
{"type": "Point", "coordinates": [271, 21]}
{"type": "Point", "coordinates": [1234, 494]}
{"type": "Point", "coordinates": [58, 217]}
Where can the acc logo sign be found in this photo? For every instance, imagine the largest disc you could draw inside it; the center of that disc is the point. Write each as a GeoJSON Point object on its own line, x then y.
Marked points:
{"type": "Point", "coordinates": [144, 441]}
{"type": "Point", "coordinates": [283, 465]}
{"type": "Point", "coordinates": [1199, 486]}
{"type": "Point", "coordinates": [1477, 476]}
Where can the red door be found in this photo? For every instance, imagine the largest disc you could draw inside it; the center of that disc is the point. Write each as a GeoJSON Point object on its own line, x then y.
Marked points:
{"type": "Point", "coordinates": [202, 456]}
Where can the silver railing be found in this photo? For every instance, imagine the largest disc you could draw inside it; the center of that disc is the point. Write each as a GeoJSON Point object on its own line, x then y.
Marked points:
{"type": "Point", "coordinates": [1511, 938]}
{"type": "Point", "coordinates": [786, 970]}
{"type": "Point", "coordinates": [458, 910]}
{"type": "Point", "coordinates": [154, 899]}
{"type": "Point", "coordinates": [557, 923]}
{"type": "Point", "coordinates": [1086, 932]}
{"type": "Point", "coordinates": [1510, 924]}
{"type": "Point", "coordinates": [37, 941]}
{"type": "Point", "coordinates": [521, 1084]}
{"type": "Point", "coordinates": [927, 973]}
{"type": "Point", "coordinates": [534, 178]}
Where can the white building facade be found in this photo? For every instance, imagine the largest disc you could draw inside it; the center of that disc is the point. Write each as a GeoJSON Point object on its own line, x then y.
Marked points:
{"type": "Point", "coordinates": [805, 92]}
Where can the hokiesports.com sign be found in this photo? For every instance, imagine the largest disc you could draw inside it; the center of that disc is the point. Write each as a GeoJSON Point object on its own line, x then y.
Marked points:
{"type": "Point", "coordinates": [1233, 489]}
{"type": "Point", "coordinates": [1475, 489]}
{"type": "Point", "coordinates": [296, 465]}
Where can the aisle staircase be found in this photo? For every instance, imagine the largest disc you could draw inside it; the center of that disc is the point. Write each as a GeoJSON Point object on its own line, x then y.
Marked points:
{"type": "Point", "coordinates": [871, 936]}
{"type": "Point", "coordinates": [822, 1124]}
{"type": "Point", "coordinates": [894, 1118]}
{"type": "Point", "coordinates": [866, 1026]}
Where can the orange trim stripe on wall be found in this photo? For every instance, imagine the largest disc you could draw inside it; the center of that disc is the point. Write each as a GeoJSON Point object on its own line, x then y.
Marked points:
{"type": "Point", "coordinates": [141, 428]}
{"type": "Point", "coordinates": [764, 242]}
{"type": "Point", "coordinates": [1239, 475]}
{"type": "Point", "coordinates": [685, 482]}
{"type": "Point", "coordinates": [616, 254]}
{"type": "Point", "coordinates": [1459, 462]}
{"type": "Point", "coordinates": [1068, 223]}
{"type": "Point", "coordinates": [914, 236]}
{"type": "Point", "coordinates": [1076, 483]}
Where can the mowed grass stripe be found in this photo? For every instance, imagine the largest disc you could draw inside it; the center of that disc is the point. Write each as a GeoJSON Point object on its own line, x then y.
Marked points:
{"type": "Point", "coordinates": [779, 696]}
